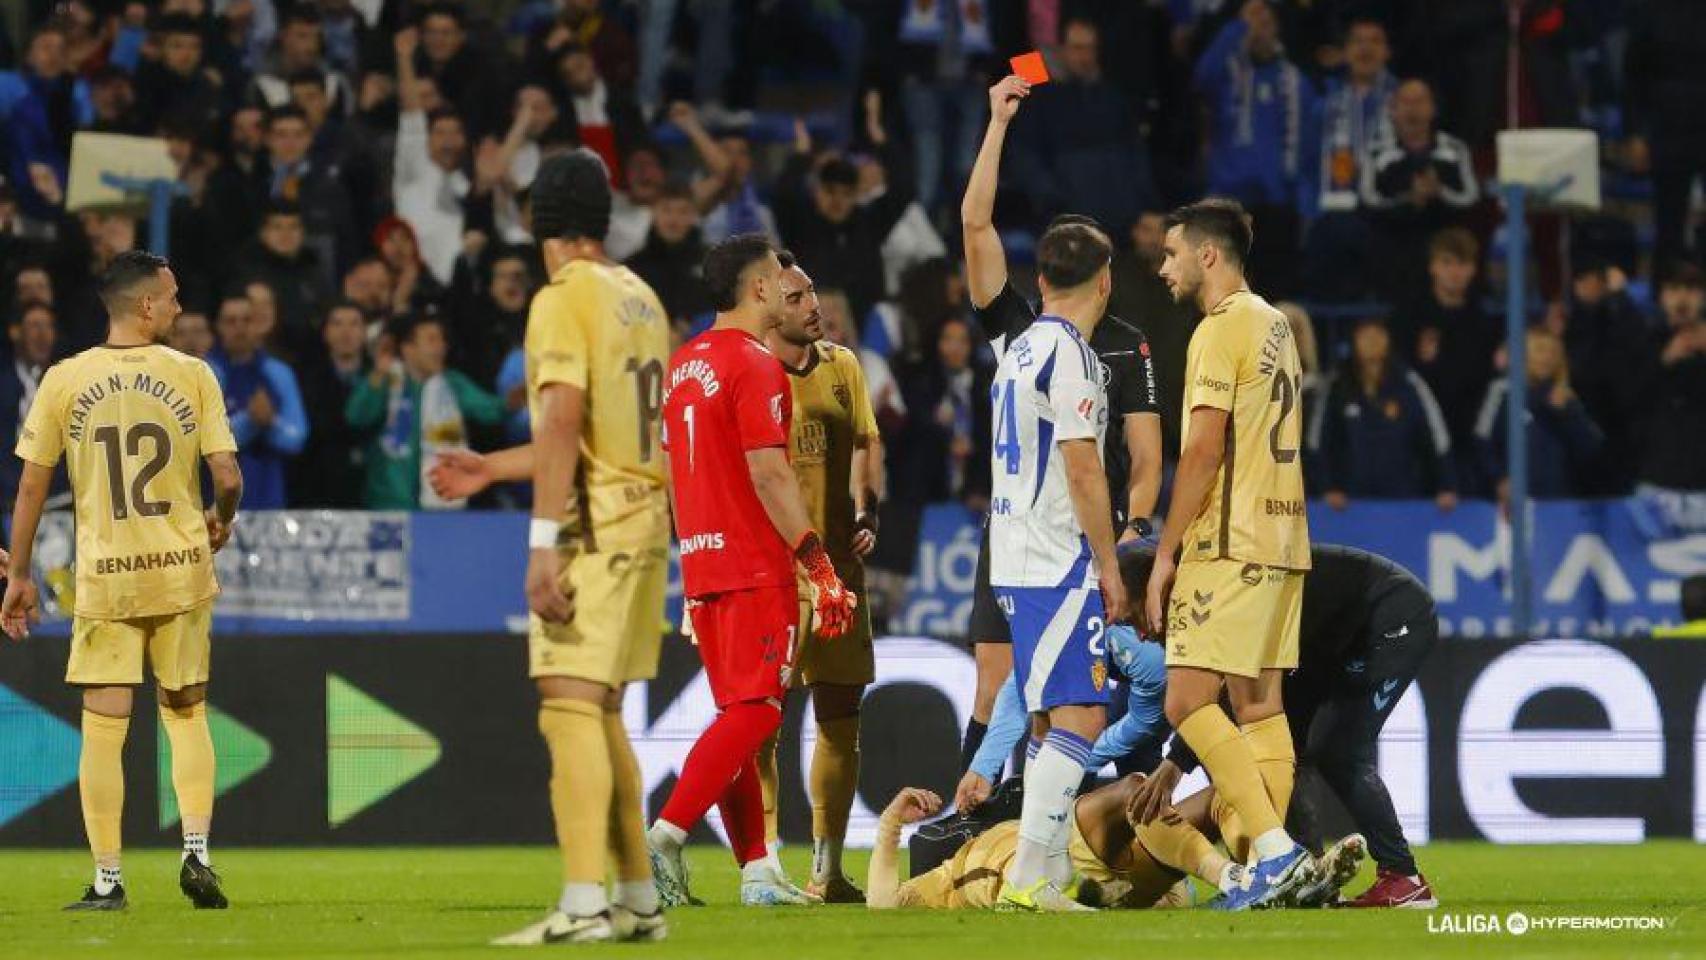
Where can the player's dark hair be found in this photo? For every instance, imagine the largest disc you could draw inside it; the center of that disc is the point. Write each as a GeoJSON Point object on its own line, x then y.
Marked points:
{"type": "Point", "coordinates": [128, 271]}
{"type": "Point", "coordinates": [1070, 255]}
{"type": "Point", "coordinates": [1066, 219]}
{"type": "Point", "coordinates": [787, 259]}
{"type": "Point", "coordinates": [725, 265]}
{"type": "Point", "coordinates": [1218, 220]}
{"type": "Point", "coordinates": [1136, 561]}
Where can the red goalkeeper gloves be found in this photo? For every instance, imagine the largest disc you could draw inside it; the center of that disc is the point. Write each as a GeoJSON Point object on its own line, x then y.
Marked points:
{"type": "Point", "coordinates": [832, 602]}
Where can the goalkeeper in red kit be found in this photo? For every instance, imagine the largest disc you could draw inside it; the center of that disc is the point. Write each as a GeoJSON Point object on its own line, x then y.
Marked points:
{"type": "Point", "coordinates": [743, 526]}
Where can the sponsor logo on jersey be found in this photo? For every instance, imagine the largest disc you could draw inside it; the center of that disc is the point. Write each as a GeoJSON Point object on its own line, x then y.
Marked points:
{"type": "Point", "coordinates": [843, 395]}
{"type": "Point", "coordinates": [1284, 508]}
{"type": "Point", "coordinates": [1086, 407]}
{"type": "Point", "coordinates": [1209, 383]}
{"type": "Point", "coordinates": [1251, 574]}
{"type": "Point", "coordinates": [776, 408]}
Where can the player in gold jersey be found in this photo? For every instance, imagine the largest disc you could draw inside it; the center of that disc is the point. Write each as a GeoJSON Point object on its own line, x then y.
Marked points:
{"type": "Point", "coordinates": [837, 456]}
{"type": "Point", "coordinates": [597, 568]}
{"type": "Point", "coordinates": [1238, 518]}
{"type": "Point", "coordinates": [134, 421]}
{"type": "Point", "coordinates": [1118, 865]}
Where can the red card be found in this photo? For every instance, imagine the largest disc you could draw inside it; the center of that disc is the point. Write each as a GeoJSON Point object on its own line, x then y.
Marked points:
{"type": "Point", "coordinates": [1030, 68]}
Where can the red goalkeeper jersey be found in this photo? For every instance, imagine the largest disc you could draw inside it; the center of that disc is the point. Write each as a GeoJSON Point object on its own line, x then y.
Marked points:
{"type": "Point", "coordinates": [725, 394]}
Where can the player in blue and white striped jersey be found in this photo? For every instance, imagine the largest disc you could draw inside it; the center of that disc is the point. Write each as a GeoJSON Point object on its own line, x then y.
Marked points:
{"type": "Point", "coordinates": [1051, 543]}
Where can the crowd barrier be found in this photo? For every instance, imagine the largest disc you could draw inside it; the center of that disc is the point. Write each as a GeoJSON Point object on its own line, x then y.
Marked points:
{"type": "Point", "coordinates": [1603, 569]}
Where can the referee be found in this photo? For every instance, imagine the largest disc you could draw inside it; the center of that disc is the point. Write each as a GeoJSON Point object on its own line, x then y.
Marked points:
{"type": "Point", "coordinates": [1131, 455]}
{"type": "Point", "coordinates": [1367, 626]}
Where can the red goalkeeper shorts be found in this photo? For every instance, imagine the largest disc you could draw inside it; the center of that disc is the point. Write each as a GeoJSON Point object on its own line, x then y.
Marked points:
{"type": "Point", "coordinates": [747, 640]}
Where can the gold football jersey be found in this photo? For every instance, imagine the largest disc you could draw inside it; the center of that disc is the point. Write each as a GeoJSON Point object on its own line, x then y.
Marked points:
{"type": "Point", "coordinates": [972, 878]}
{"type": "Point", "coordinates": [600, 328]}
{"type": "Point", "coordinates": [133, 424]}
{"type": "Point", "coordinates": [832, 417]}
{"type": "Point", "coordinates": [1242, 359]}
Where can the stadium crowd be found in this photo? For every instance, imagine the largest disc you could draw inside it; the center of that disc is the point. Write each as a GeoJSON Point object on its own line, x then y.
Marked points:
{"type": "Point", "coordinates": [351, 234]}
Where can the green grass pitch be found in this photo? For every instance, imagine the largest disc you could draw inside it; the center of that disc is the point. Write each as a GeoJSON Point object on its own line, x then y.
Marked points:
{"type": "Point", "coordinates": [446, 902]}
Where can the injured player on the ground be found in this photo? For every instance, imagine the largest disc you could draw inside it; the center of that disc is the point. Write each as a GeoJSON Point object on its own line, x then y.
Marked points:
{"type": "Point", "coordinates": [1114, 864]}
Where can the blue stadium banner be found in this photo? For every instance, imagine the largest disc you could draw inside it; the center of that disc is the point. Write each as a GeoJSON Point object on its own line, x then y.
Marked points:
{"type": "Point", "coordinates": [1602, 568]}
{"type": "Point", "coordinates": [328, 571]}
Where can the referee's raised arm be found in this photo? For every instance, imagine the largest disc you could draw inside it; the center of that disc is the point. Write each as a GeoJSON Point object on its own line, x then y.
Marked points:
{"type": "Point", "coordinates": [986, 262]}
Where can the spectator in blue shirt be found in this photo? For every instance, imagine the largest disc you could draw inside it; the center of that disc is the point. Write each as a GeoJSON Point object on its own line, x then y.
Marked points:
{"type": "Point", "coordinates": [1562, 439]}
{"type": "Point", "coordinates": [1380, 433]}
{"type": "Point", "coordinates": [264, 404]}
{"type": "Point", "coordinates": [1353, 121]}
{"type": "Point", "coordinates": [1261, 110]}
{"type": "Point", "coordinates": [41, 106]}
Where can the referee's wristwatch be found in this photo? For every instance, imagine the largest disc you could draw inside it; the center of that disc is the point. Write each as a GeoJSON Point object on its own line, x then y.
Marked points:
{"type": "Point", "coordinates": [1142, 527]}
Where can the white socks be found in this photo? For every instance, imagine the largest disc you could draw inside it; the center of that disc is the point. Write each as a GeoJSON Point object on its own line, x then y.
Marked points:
{"type": "Point", "coordinates": [583, 899]}
{"type": "Point", "coordinates": [759, 871]}
{"type": "Point", "coordinates": [1273, 843]}
{"type": "Point", "coordinates": [106, 878]}
{"type": "Point", "coordinates": [196, 843]}
{"type": "Point", "coordinates": [638, 896]}
{"type": "Point", "coordinates": [667, 835]}
{"type": "Point", "coordinates": [1052, 779]}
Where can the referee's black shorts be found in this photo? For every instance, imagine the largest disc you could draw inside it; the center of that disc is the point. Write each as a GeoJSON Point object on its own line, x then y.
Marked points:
{"type": "Point", "coordinates": [987, 623]}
